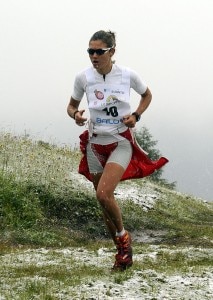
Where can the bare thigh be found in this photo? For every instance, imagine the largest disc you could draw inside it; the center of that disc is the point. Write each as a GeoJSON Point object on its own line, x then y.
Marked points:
{"type": "Point", "coordinates": [107, 181]}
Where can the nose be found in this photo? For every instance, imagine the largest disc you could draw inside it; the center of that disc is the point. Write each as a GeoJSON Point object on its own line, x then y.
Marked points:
{"type": "Point", "coordinates": [94, 54]}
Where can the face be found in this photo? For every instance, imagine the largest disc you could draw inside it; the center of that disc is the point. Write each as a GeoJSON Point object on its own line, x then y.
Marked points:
{"type": "Point", "coordinates": [102, 63]}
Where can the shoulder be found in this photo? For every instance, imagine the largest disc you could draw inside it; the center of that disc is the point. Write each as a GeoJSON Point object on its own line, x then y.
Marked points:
{"type": "Point", "coordinates": [80, 78]}
{"type": "Point", "coordinates": [132, 73]}
{"type": "Point", "coordinates": [120, 68]}
{"type": "Point", "coordinates": [136, 81]}
{"type": "Point", "coordinates": [83, 72]}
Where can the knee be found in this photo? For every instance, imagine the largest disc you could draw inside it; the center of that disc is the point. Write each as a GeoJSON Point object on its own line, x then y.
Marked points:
{"type": "Point", "coordinates": [102, 197]}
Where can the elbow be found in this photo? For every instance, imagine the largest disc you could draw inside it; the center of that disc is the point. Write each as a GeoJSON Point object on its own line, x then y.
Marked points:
{"type": "Point", "coordinates": [150, 95]}
{"type": "Point", "coordinates": [68, 110]}
{"type": "Point", "coordinates": [147, 95]}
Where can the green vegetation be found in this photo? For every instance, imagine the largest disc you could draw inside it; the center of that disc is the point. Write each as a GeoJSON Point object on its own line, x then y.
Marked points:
{"type": "Point", "coordinates": [44, 204]}
{"type": "Point", "coordinates": [148, 144]}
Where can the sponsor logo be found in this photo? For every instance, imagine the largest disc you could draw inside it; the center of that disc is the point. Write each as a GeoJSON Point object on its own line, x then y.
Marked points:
{"type": "Point", "coordinates": [112, 99]}
{"type": "Point", "coordinates": [108, 121]}
{"type": "Point", "coordinates": [99, 95]}
{"type": "Point", "coordinates": [117, 92]}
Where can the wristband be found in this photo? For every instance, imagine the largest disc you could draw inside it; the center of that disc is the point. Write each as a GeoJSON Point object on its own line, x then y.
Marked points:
{"type": "Point", "coordinates": [137, 116]}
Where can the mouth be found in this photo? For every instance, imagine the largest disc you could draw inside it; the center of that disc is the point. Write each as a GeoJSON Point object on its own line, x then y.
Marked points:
{"type": "Point", "coordinates": [95, 63]}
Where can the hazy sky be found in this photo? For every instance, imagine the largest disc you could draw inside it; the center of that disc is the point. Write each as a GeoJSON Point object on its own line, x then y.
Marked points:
{"type": "Point", "coordinates": [168, 42]}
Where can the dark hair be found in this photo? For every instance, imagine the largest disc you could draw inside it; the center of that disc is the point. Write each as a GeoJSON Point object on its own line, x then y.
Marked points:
{"type": "Point", "coordinates": [108, 37]}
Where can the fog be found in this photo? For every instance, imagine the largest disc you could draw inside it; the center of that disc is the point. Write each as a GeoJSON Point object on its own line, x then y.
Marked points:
{"type": "Point", "coordinates": [169, 43]}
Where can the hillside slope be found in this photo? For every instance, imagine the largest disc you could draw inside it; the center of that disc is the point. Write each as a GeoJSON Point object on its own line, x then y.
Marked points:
{"type": "Point", "coordinates": [53, 244]}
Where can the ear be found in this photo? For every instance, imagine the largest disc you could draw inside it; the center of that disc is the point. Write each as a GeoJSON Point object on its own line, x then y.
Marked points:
{"type": "Point", "coordinates": [112, 51]}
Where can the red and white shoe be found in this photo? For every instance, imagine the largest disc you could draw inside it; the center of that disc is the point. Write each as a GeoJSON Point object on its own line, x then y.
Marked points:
{"type": "Point", "coordinates": [123, 259]}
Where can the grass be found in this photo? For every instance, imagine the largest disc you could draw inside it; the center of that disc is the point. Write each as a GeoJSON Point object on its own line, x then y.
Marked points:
{"type": "Point", "coordinates": [44, 208]}
{"type": "Point", "coordinates": [41, 204]}
{"type": "Point", "coordinates": [44, 273]}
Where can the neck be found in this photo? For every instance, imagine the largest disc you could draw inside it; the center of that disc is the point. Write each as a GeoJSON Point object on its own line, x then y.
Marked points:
{"type": "Point", "coordinates": [105, 70]}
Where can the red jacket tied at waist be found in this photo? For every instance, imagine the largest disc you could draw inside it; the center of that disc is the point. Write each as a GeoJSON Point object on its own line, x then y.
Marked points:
{"type": "Point", "coordinates": [140, 165]}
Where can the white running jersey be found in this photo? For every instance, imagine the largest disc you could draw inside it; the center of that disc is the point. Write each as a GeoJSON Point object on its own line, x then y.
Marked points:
{"type": "Point", "coordinates": [108, 100]}
{"type": "Point", "coordinates": [108, 104]}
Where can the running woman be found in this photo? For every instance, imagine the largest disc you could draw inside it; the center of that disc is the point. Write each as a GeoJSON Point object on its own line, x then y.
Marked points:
{"type": "Point", "coordinates": [111, 153]}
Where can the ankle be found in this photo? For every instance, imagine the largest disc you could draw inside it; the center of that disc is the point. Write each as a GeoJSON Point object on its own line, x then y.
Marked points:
{"type": "Point", "coordinates": [121, 233]}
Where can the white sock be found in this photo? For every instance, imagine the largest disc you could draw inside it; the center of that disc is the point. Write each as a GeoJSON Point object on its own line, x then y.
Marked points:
{"type": "Point", "coordinates": [121, 233]}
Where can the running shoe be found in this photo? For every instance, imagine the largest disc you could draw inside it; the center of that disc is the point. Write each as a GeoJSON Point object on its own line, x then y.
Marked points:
{"type": "Point", "coordinates": [123, 259]}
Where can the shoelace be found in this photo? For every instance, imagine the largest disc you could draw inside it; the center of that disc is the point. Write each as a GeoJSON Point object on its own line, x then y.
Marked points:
{"type": "Point", "coordinates": [123, 247]}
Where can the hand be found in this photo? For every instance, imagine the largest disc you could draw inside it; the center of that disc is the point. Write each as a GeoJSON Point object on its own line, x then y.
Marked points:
{"type": "Point", "coordinates": [129, 121]}
{"type": "Point", "coordinates": [79, 120]}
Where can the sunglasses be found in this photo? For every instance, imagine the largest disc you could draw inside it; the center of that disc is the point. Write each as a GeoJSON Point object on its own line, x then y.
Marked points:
{"type": "Point", "coordinates": [97, 51]}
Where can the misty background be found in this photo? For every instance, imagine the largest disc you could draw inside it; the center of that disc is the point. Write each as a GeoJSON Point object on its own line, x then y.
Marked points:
{"type": "Point", "coordinates": [169, 43]}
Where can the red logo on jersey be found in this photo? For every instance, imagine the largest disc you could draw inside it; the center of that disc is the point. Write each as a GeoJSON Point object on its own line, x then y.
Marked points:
{"type": "Point", "coordinates": [99, 95]}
